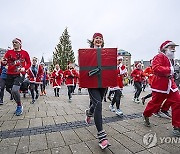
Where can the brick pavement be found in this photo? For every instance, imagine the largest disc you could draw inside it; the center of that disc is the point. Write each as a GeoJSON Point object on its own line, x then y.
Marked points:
{"type": "Point", "coordinates": [54, 125]}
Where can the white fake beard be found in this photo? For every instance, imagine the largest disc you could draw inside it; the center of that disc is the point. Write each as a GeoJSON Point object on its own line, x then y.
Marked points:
{"type": "Point", "coordinates": [170, 54]}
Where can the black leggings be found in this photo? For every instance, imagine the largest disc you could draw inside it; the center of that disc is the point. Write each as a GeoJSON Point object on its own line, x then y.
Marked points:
{"type": "Point", "coordinates": [34, 87]}
{"type": "Point", "coordinates": [138, 86]}
{"type": "Point", "coordinates": [96, 96]}
{"type": "Point", "coordinates": [117, 98]}
{"type": "Point", "coordinates": [70, 90]}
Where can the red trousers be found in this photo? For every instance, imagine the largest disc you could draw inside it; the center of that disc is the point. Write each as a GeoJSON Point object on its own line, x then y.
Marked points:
{"type": "Point", "coordinates": [173, 100]}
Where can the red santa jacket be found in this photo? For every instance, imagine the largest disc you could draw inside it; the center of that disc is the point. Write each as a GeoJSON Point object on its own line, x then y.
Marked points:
{"type": "Point", "coordinates": [17, 60]}
{"type": "Point", "coordinates": [122, 72]}
{"type": "Point", "coordinates": [137, 75]}
{"type": "Point", "coordinates": [70, 77]}
{"type": "Point", "coordinates": [57, 78]}
{"type": "Point", "coordinates": [149, 73]}
{"type": "Point", "coordinates": [163, 70]}
{"type": "Point", "coordinates": [35, 78]}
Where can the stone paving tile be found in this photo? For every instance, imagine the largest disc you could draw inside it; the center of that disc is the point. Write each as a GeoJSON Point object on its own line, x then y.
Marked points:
{"type": "Point", "coordinates": [30, 115]}
{"type": "Point", "coordinates": [55, 139]}
{"type": "Point", "coordinates": [22, 124]}
{"type": "Point", "coordinates": [94, 147]}
{"type": "Point", "coordinates": [109, 130]}
{"type": "Point", "coordinates": [35, 122]}
{"type": "Point", "coordinates": [78, 117]}
{"type": "Point", "coordinates": [8, 125]}
{"type": "Point", "coordinates": [144, 152]}
{"type": "Point", "coordinates": [69, 118]}
{"type": "Point", "coordinates": [84, 134]}
{"type": "Point", "coordinates": [9, 142]}
{"type": "Point", "coordinates": [128, 143]}
{"type": "Point", "coordinates": [118, 127]}
{"type": "Point", "coordinates": [59, 119]}
{"type": "Point", "coordinates": [171, 148]}
{"type": "Point", "coordinates": [48, 121]}
{"type": "Point", "coordinates": [48, 151]}
{"type": "Point", "coordinates": [37, 142]}
{"type": "Point", "coordinates": [40, 114]}
{"type": "Point", "coordinates": [6, 117]}
{"type": "Point", "coordinates": [70, 137]}
{"type": "Point", "coordinates": [80, 148]}
{"type": "Point", "coordinates": [60, 112]}
{"type": "Point", "coordinates": [117, 148]}
{"type": "Point", "coordinates": [23, 146]}
{"type": "Point", "coordinates": [61, 150]}
{"type": "Point", "coordinates": [158, 150]}
{"type": "Point", "coordinates": [51, 113]}
{"type": "Point", "coordinates": [8, 150]}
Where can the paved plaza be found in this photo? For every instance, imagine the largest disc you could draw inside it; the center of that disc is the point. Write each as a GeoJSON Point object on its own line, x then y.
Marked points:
{"type": "Point", "coordinates": [53, 125]}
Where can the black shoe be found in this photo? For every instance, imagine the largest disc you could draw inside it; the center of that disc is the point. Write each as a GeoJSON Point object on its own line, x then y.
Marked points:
{"type": "Point", "coordinates": [33, 101]}
{"type": "Point", "coordinates": [176, 131]}
{"type": "Point", "coordinates": [105, 99]}
{"type": "Point", "coordinates": [146, 121]}
{"type": "Point", "coordinates": [37, 96]}
{"type": "Point", "coordinates": [109, 98]}
{"type": "Point", "coordinates": [57, 95]}
{"type": "Point", "coordinates": [1, 102]}
{"type": "Point", "coordinates": [143, 100]}
{"type": "Point", "coordinates": [11, 97]}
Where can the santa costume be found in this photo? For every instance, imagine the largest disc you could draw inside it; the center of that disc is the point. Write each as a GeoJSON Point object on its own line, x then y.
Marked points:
{"type": "Point", "coordinates": [163, 86]}
{"type": "Point", "coordinates": [121, 73]}
{"type": "Point", "coordinates": [57, 78]}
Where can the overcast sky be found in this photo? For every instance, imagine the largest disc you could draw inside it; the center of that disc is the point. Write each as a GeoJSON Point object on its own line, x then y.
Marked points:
{"type": "Point", "coordinates": [137, 26]}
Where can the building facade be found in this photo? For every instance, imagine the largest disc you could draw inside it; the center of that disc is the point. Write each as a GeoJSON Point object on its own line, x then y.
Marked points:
{"type": "Point", "coordinates": [2, 52]}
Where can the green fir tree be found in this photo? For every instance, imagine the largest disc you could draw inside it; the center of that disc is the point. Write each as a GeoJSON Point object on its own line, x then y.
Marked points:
{"type": "Point", "coordinates": [63, 54]}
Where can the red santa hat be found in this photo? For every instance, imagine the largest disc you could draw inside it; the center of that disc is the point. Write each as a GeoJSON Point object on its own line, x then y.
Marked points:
{"type": "Point", "coordinates": [120, 57]}
{"type": "Point", "coordinates": [166, 44]}
{"type": "Point", "coordinates": [137, 64]}
{"type": "Point", "coordinates": [97, 34]}
{"type": "Point", "coordinates": [18, 40]}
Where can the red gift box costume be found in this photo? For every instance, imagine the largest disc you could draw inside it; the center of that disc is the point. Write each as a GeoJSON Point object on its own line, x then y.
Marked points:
{"type": "Point", "coordinates": [98, 67]}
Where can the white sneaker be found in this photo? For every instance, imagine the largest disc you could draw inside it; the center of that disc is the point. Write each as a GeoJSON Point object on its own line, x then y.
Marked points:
{"type": "Point", "coordinates": [165, 114]}
{"type": "Point", "coordinates": [111, 108]}
{"type": "Point", "coordinates": [119, 112]}
{"type": "Point", "coordinates": [137, 100]}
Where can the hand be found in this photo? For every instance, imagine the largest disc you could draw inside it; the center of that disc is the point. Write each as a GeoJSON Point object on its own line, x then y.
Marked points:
{"type": "Point", "coordinates": [22, 69]}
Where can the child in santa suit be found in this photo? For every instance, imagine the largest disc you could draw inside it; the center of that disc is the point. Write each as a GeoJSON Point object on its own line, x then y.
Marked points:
{"type": "Point", "coordinates": [163, 86]}
{"type": "Point", "coordinates": [70, 76]}
{"type": "Point", "coordinates": [57, 78]}
{"type": "Point", "coordinates": [35, 74]}
{"type": "Point", "coordinates": [138, 77]}
{"type": "Point", "coordinates": [121, 72]}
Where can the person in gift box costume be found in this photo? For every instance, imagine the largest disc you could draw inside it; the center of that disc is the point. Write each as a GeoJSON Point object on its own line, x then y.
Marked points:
{"type": "Point", "coordinates": [163, 86]}
{"type": "Point", "coordinates": [96, 97]}
{"type": "Point", "coordinates": [57, 76]}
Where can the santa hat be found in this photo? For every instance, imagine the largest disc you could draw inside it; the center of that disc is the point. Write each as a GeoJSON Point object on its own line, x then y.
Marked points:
{"type": "Point", "coordinates": [137, 64]}
{"type": "Point", "coordinates": [119, 57]}
{"type": "Point", "coordinates": [166, 44]}
{"type": "Point", "coordinates": [18, 40]}
{"type": "Point", "coordinates": [97, 34]}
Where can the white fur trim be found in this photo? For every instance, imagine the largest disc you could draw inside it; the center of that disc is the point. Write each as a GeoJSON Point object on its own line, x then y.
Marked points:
{"type": "Point", "coordinates": [168, 44]}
